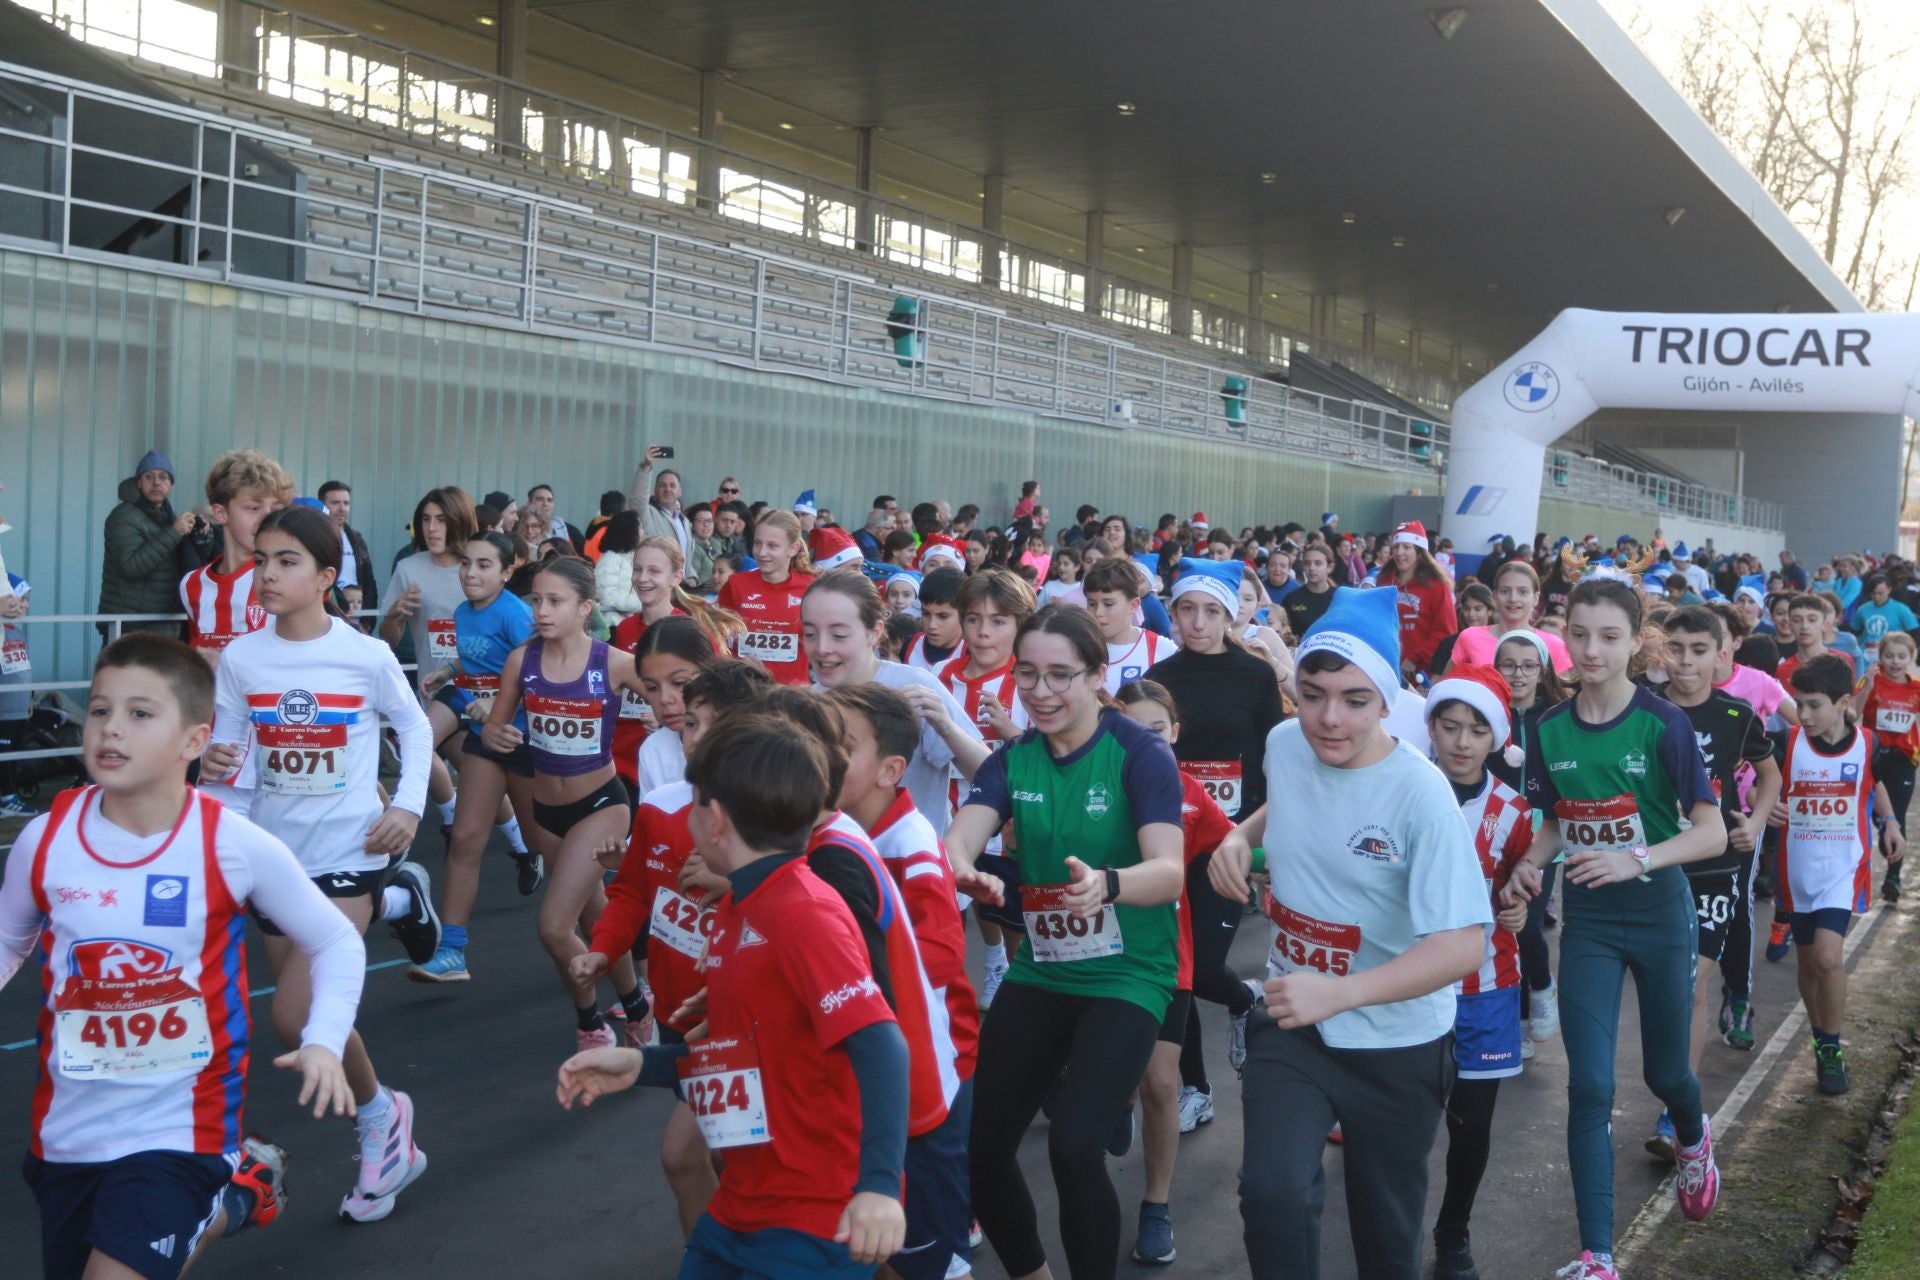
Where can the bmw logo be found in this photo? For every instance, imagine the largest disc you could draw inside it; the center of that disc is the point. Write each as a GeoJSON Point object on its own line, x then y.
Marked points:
{"type": "Point", "coordinates": [1532, 387]}
{"type": "Point", "coordinates": [297, 706]}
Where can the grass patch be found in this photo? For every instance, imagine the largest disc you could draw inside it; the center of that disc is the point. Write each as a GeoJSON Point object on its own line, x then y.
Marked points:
{"type": "Point", "coordinates": [1889, 1247]}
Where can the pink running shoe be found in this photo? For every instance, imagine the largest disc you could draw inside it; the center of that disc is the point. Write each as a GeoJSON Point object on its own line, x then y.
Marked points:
{"type": "Point", "coordinates": [601, 1037]}
{"type": "Point", "coordinates": [1697, 1180]}
{"type": "Point", "coordinates": [1585, 1268]}
{"type": "Point", "coordinates": [389, 1163]}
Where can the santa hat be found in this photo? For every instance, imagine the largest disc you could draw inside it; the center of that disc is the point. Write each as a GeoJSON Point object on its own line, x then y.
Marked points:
{"type": "Point", "coordinates": [804, 505]}
{"type": "Point", "coordinates": [1748, 591]}
{"type": "Point", "coordinates": [831, 548]}
{"type": "Point", "coordinates": [1532, 637]}
{"type": "Point", "coordinates": [1219, 579]}
{"type": "Point", "coordinates": [1199, 520]}
{"type": "Point", "coordinates": [938, 547]}
{"type": "Point", "coordinates": [1680, 551]}
{"type": "Point", "coordinates": [1412, 533]}
{"type": "Point", "coordinates": [1361, 627]}
{"type": "Point", "coordinates": [912, 579]}
{"type": "Point", "coordinates": [1494, 539]}
{"type": "Point", "coordinates": [1328, 517]}
{"type": "Point", "coordinates": [1483, 689]}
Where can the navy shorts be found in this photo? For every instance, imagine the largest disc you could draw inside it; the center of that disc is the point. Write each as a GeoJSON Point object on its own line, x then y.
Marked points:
{"type": "Point", "coordinates": [145, 1211]}
{"type": "Point", "coordinates": [1833, 919]}
{"type": "Point", "coordinates": [1486, 1034]}
{"type": "Point", "coordinates": [939, 1217]}
{"type": "Point", "coordinates": [1007, 914]}
{"type": "Point", "coordinates": [715, 1252]}
{"type": "Point", "coordinates": [518, 761]}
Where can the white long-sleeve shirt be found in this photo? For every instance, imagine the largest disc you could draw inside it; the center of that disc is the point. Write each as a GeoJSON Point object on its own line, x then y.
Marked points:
{"type": "Point", "coordinates": [310, 710]}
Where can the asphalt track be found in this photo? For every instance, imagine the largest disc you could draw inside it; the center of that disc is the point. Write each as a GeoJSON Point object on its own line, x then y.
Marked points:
{"type": "Point", "coordinates": [519, 1187]}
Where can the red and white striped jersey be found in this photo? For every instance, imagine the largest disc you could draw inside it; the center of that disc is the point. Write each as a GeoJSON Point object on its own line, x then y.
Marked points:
{"type": "Point", "coordinates": [915, 654]}
{"type": "Point", "coordinates": [1129, 662]}
{"type": "Point", "coordinates": [143, 1027]}
{"type": "Point", "coordinates": [1502, 827]}
{"type": "Point", "coordinates": [932, 1074]}
{"type": "Point", "coordinates": [968, 692]}
{"type": "Point", "coordinates": [220, 607]}
{"type": "Point", "coordinates": [907, 844]}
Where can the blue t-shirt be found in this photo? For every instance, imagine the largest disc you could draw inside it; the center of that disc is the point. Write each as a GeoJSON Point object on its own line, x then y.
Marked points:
{"type": "Point", "coordinates": [486, 637]}
{"type": "Point", "coordinates": [1874, 621]}
{"type": "Point", "coordinates": [1280, 593]}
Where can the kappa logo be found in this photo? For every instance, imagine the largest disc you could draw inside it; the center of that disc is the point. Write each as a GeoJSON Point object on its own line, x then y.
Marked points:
{"type": "Point", "coordinates": [297, 706]}
{"type": "Point", "coordinates": [166, 902]}
{"type": "Point", "coordinates": [1374, 843]}
{"type": "Point", "coordinates": [117, 959]}
{"type": "Point", "coordinates": [1099, 802]}
{"type": "Point", "coordinates": [1634, 764]}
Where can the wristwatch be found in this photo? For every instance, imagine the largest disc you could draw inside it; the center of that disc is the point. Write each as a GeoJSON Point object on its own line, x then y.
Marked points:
{"type": "Point", "coordinates": [1113, 885]}
{"type": "Point", "coordinates": [1643, 856]}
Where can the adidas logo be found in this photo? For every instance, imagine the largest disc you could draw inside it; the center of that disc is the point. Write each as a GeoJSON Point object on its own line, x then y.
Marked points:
{"type": "Point", "coordinates": [163, 1246]}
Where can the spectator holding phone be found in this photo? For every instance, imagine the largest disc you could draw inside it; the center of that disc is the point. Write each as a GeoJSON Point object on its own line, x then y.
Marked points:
{"type": "Point", "coordinates": [657, 499]}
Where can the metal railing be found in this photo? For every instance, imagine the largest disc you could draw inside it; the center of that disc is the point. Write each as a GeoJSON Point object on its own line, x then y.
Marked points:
{"type": "Point", "coordinates": [1579, 478]}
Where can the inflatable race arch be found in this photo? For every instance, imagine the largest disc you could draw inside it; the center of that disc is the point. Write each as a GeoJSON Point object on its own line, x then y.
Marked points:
{"type": "Point", "coordinates": [1586, 361]}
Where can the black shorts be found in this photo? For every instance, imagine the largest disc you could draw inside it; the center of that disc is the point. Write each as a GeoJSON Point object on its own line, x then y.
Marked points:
{"type": "Point", "coordinates": [939, 1195]}
{"type": "Point", "coordinates": [335, 884]}
{"type": "Point", "coordinates": [558, 819]}
{"type": "Point", "coordinates": [449, 697]}
{"type": "Point", "coordinates": [518, 761]}
{"type": "Point", "coordinates": [1716, 896]}
{"type": "Point", "coordinates": [1173, 1027]}
{"type": "Point", "coordinates": [145, 1211]}
{"type": "Point", "coordinates": [1007, 914]}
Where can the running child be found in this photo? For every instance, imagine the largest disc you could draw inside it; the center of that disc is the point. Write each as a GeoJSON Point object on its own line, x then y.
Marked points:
{"type": "Point", "coordinates": [1525, 663]}
{"type": "Point", "coordinates": [306, 697]}
{"type": "Point", "coordinates": [1425, 596]}
{"type": "Point", "coordinates": [1890, 706]}
{"type": "Point", "coordinates": [1807, 619]}
{"type": "Point", "coordinates": [802, 1080]}
{"type": "Point", "coordinates": [138, 1124]}
{"type": "Point", "coordinates": [1615, 769]}
{"type": "Point", "coordinates": [1470, 718]}
{"type": "Point", "coordinates": [488, 626]}
{"type": "Point", "coordinates": [657, 570]}
{"type": "Point", "coordinates": [570, 684]}
{"type": "Point", "coordinates": [940, 640]}
{"type": "Point", "coordinates": [1304, 605]}
{"type": "Point", "coordinates": [676, 654]}
{"type": "Point", "coordinates": [768, 598]}
{"type": "Point", "coordinates": [1168, 1108]}
{"type": "Point", "coordinates": [1113, 589]}
{"type": "Point", "coordinates": [1826, 848]}
{"type": "Point", "coordinates": [244, 487]}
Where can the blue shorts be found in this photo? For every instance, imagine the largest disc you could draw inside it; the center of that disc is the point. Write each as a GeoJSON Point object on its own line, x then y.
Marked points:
{"type": "Point", "coordinates": [715, 1252]}
{"type": "Point", "coordinates": [1486, 1034]}
{"type": "Point", "coordinates": [939, 1216]}
{"type": "Point", "coordinates": [1007, 914]}
{"type": "Point", "coordinates": [145, 1211]}
{"type": "Point", "coordinates": [1833, 919]}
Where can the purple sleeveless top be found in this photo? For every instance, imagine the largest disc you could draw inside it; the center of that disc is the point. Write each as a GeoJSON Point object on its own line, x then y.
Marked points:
{"type": "Point", "coordinates": [569, 722]}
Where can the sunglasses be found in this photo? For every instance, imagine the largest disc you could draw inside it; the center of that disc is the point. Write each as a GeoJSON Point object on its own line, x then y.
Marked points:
{"type": "Point", "coordinates": [725, 492]}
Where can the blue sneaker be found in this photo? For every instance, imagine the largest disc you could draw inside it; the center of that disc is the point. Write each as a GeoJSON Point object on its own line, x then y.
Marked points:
{"type": "Point", "coordinates": [449, 964]}
{"type": "Point", "coordinates": [1778, 941]}
{"type": "Point", "coordinates": [1155, 1241]}
{"type": "Point", "coordinates": [1662, 1145]}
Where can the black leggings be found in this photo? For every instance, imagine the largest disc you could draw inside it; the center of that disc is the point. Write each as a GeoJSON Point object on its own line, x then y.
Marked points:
{"type": "Point", "coordinates": [1536, 962]}
{"type": "Point", "coordinates": [1216, 920]}
{"type": "Point", "coordinates": [1894, 769]}
{"type": "Point", "coordinates": [1469, 1141]}
{"type": "Point", "coordinates": [1095, 1050]}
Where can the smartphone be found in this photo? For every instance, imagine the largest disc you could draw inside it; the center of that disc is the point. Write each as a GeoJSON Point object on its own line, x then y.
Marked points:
{"type": "Point", "coordinates": [663, 450]}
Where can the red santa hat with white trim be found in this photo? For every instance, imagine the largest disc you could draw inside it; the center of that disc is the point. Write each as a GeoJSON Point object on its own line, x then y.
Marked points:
{"type": "Point", "coordinates": [831, 548]}
{"type": "Point", "coordinates": [1485, 690]}
{"type": "Point", "coordinates": [1413, 533]}
{"type": "Point", "coordinates": [938, 547]}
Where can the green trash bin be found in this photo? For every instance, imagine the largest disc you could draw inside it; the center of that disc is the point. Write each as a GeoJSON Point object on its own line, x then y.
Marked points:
{"type": "Point", "coordinates": [903, 326]}
{"type": "Point", "coordinates": [1233, 394]}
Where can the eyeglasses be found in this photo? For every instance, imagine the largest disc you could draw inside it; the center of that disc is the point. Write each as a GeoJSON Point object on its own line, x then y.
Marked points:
{"type": "Point", "coordinates": [1517, 668]}
{"type": "Point", "coordinates": [1057, 681]}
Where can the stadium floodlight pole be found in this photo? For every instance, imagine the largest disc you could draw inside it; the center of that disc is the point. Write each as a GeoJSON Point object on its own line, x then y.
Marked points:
{"type": "Point", "coordinates": [1586, 361]}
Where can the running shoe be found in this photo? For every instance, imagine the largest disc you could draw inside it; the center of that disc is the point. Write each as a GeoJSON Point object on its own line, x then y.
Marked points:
{"type": "Point", "coordinates": [975, 1236]}
{"type": "Point", "coordinates": [1696, 1180]}
{"type": "Point", "coordinates": [1738, 1032]}
{"type": "Point", "coordinates": [1830, 1068]}
{"type": "Point", "coordinates": [1336, 1137]}
{"type": "Point", "coordinates": [1120, 1141]}
{"type": "Point", "coordinates": [389, 1163]}
{"type": "Point", "coordinates": [1552, 916]}
{"type": "Point", "coordinates": [1726, 1011]}
{"type": "Point", "coordinates": [257, 1192]}
{"type": "Point", "coordinates": [1452, 1256]}
{"type": "Point", "coordinates": [15, 807]}
{"type": "Point", "coordinates": [1778, 941]}
{"type": "Point", "coordinates": [1526, 1044]}
{"type": "Point", "coordinates": [531, 869]}
{"type": "Point", "coordinates": [1543, 1018]}
{"type": "Point", "coordinates": [449, 964]}
{"type": "Point", "coordinates": [624, 1031]}
{"type": "Point", "coordinates": [1237, 1030]}
{"type": "Point", "coordinates": [990, 981]}
{"type": "Point", "coordinates": [1889, 887]}
{"type": "Point", "coordinates": [1154, 1244]}
{"type": "Point", "coordinates": [1587, 1267]}
{"type": "Point", "coordinates": [1196, 1109]}
{"type": "Point", "coordinates": [1662, 1144]}
{"type": "Point", "coordinates": [601, 1037]}
{"type": "Point", "coordinates": [418, 931]}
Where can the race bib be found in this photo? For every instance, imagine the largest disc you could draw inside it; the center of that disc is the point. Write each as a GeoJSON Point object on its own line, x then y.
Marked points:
{"type": "Point", "coordinates": [1612, 824]}
{"type": "Point", "coordinates": [634, 707]}
{"type": "Point", "coordinates": [478, 686]}
{"type": "Point", "coordinates": [1058, 936]}
{"type": "Point", "coordinates": [127, 1028]}
{"type": "Point", "coordinates": [1886, 719]}
{"type": "Point", "coordinates": [1219, 779]}
{"type": "Point", "coordinates": [564, 726]}
{"type": "Point", "coordinates": [1301, 942]}
{"type": "Point", "coordinates": [679, 922]}
{"type": "Point", "coordinates": [721, 1081]}
{"type": "Point", "coordinates": [303, 759]}
{"type": "Point", "coordinates": [770, 646]}
{"type": "Point", "coordinates": [1826, 808]}
{"type": "Point", "coordinates": [13, 658]}
{"type": "Point", "coordinates": [443, 646]}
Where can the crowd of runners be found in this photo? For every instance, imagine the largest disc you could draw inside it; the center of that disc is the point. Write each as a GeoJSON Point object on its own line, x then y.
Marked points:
{"type": "Point", "coordinates": [764, 769]}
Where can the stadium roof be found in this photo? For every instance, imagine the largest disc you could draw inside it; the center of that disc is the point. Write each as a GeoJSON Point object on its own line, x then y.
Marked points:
{"type": "Point", "coordinates": [1530, 161]}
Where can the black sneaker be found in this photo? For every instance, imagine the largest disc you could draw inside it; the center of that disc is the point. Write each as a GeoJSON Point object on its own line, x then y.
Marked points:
{"type": "Point", "coordinates": [1452, 1258]}
{"type": "Point", "coordinates": [531, 869]}
{"type": "Point", "coordinates": [1120, 1141]}
{"type": "Point", "coordinates": [1830, 1066]}
{"type": "Point", "coordinates": [419, 930]}
{"type": "Point", "coordinates": [1890, 887]}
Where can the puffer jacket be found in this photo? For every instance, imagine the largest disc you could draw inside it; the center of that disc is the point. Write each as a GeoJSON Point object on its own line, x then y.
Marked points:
{"type": "Point", "coordinates": [138, 575]}
{"type": "Point", "coordinates": [613, 582]}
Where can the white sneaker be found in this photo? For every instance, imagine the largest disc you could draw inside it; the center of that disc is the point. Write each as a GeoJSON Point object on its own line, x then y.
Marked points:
{"type": "Point", "coordinates": [1543, 1019]}
{"type": "Point", "coordinates": [1526, 1043]}
{"type": "Point", "coordinates": [1237, 1031]}
{"type": "Point", "coordinates": [1196, 1109]}
{"type": "Point", "coordinates": [991, 979]}
{"type": "Point", "coordinates": [389, 1163]}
